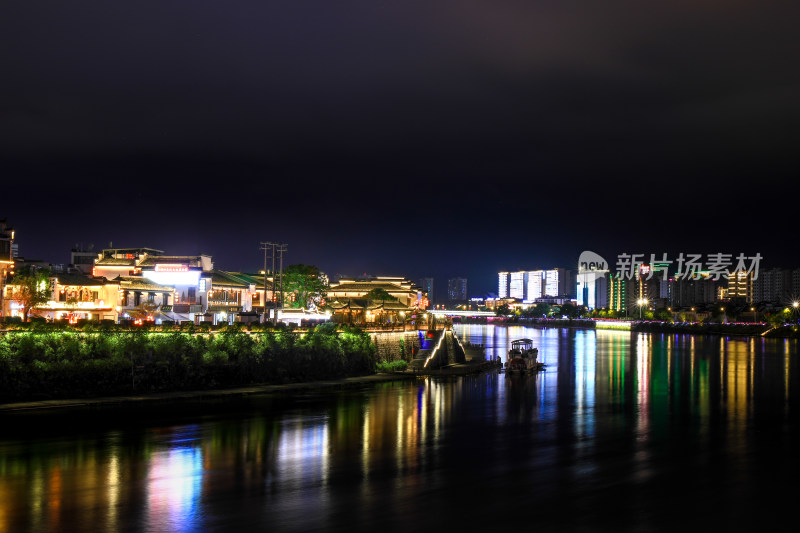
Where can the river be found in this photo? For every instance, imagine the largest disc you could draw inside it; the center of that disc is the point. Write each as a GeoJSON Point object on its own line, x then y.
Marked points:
{"type": "Point", "coordinates": [621, 432]}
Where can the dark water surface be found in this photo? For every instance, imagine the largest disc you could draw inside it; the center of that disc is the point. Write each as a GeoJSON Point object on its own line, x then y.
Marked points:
{"type": "Point", "coordinates": [622, 432]}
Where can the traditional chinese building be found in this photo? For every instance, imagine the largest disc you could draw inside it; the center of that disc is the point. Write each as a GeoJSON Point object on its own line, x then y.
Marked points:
{"type": "Point", "coordinates": [233, 294]}
{"type": "Point", "coordinates": [347, 300]}
{"type": "Point", "coordinates": [167, 287]}
{"type": "Point", "coordinates": [72, 297]}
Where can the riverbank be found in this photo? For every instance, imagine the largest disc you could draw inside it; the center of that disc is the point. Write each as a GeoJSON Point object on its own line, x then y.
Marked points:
{"type": "Point", "coordinates": [55, 365]}
{"type": "Point", "coordinates": [739, 329]}
{"type": "Point", "coordinates": [154, 399]}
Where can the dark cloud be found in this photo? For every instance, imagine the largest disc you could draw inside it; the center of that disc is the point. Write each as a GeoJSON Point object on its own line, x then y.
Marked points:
{"type": "Point", "coordinates": [366, 132]}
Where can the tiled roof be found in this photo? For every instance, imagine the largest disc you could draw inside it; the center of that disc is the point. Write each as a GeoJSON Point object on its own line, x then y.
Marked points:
{"type": "Point", "coordinates": [224, 278]}
{"type": "Point", "coordinates": [78, 280]}
{"type": "Point", "coordinates": [112, 261]}
{"type": "Point", "coordinates": [140, 284]}
{"type": "Point", "coordinates": [358, 304]}
{"type": "Point", "coordinates": [366, 287]}
{"type": "Point", "coordinates": [152, 260]}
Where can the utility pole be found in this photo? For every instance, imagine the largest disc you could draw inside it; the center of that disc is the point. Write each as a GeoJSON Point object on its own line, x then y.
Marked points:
{"type": "Point", "coordinates": [281, 249]}
{"type": "Point", "coordinates": [273, 300]}
{"type": "Point", "coordinates": [265, 246]}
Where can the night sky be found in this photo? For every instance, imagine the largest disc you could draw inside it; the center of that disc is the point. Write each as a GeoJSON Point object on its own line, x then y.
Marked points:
{"type": "Point", "coordinates": [416, 138]}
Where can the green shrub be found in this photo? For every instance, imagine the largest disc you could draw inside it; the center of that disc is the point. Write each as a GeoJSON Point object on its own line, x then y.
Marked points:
{"type": "Point", "coordinates": [53, 360]}
{"type": "Point", "coordinates": [392, 366]}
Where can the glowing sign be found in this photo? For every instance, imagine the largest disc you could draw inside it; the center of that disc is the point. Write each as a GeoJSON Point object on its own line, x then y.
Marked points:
{"type": "Point", "coordinates": [644, 270]}
{"type": "Point", "coordinates": [171, 267]}
{"type": "Point", "coordinates": [190, 278]}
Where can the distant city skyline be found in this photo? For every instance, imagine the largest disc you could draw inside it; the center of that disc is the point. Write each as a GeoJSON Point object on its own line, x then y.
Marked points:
{"type": "Point", "coordinates": [483, 281]}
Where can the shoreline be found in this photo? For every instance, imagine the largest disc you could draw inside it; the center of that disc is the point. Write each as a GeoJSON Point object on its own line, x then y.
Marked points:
{"type": "Point", "coordinates": [722, 330]}
{"type": "Point", "coordinates": [154, 398]}
{"type": "Point", "coordinates": [150, 399]}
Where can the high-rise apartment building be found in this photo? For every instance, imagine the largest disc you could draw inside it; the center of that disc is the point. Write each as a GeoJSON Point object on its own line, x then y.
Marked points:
{"type": "Point", "coordinates": [516, 285]}
{"type": "Point", "coordinates": [777, 286]}
{"type": "Point", "coordinates": [740, 285]}
{"type": "Point", "coordinates": [592, 290]}
{"type": "Point", "coordinates": [528, 285]}
{"type": "Point", "coordinates": [457, 289]}
{"type": "Point", "coordinates": [619, 292]}
{"type": "Point", "coordinates": [426, 284]}
{"type": "Point", "coordinates": [502, 284]}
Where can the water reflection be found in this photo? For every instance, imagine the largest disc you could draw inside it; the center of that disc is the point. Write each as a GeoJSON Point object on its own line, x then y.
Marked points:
{"type": "Point", "coordinates": [615, 415]}
{"type": "Point", "coordinates": [173, 489]}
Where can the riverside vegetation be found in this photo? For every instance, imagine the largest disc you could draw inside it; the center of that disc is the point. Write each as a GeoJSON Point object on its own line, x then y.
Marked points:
{"type": "Point", "coordinates": [47, 362]}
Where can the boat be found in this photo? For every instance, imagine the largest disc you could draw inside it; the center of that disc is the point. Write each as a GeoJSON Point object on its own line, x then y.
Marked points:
{"type": "Point", "coordinates": [522, 358]}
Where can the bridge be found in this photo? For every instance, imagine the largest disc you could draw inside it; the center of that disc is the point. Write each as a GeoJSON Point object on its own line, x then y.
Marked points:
{"type": "Point", "coordinates": [460, 312]}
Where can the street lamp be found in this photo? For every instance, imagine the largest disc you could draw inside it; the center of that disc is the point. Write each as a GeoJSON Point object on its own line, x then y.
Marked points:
{"type": "Point", "coordinates": [642, 302]}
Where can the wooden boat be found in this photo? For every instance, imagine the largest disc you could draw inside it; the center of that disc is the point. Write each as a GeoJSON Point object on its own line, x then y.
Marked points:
{"type": "Point", "coordinates": [522, 357]}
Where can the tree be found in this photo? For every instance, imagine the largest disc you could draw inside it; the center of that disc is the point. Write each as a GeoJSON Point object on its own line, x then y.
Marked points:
{"type": "Point", "coordinates": [663, 315]}
{"type": "Point", "coordinates": [502, 310]}
{"type": "Point", "coordinates": [304, 286]}
{"type": "Point", "coordinates": [31, 288]}
{"type": "Point", "coordinates": [571, 311]}
{"type": "Point", "coordinates": [379, 295]}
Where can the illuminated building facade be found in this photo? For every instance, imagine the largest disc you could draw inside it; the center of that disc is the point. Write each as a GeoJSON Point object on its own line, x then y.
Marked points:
{"type": "Point", "coordinates": [740, 285]}
{"type": "Point", "coordinates": [72, 297]}
{"type": "Point", "coordinates": [516, 285]}
{"type": "Point", "coordinates": [551, 282]}
{"type": "Point", "coordinates": [535, 284]}
{"type": "Point", "coordinates": [621, 292]}
{"type": "Point", "coordinates": [593, 289]}
{"type": "Point", "coordinates": [502, 285]}
{"type": "Point", "coordinates": [233, 294]}
{"type": "Point", "coordinates": [347, 299]}
{"type": "Point", "coordinates": [6, 260]}
{"type": "Point", "coordinates": [174, 288]}
{"type": "Point", "coordinates": [528, 285]}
